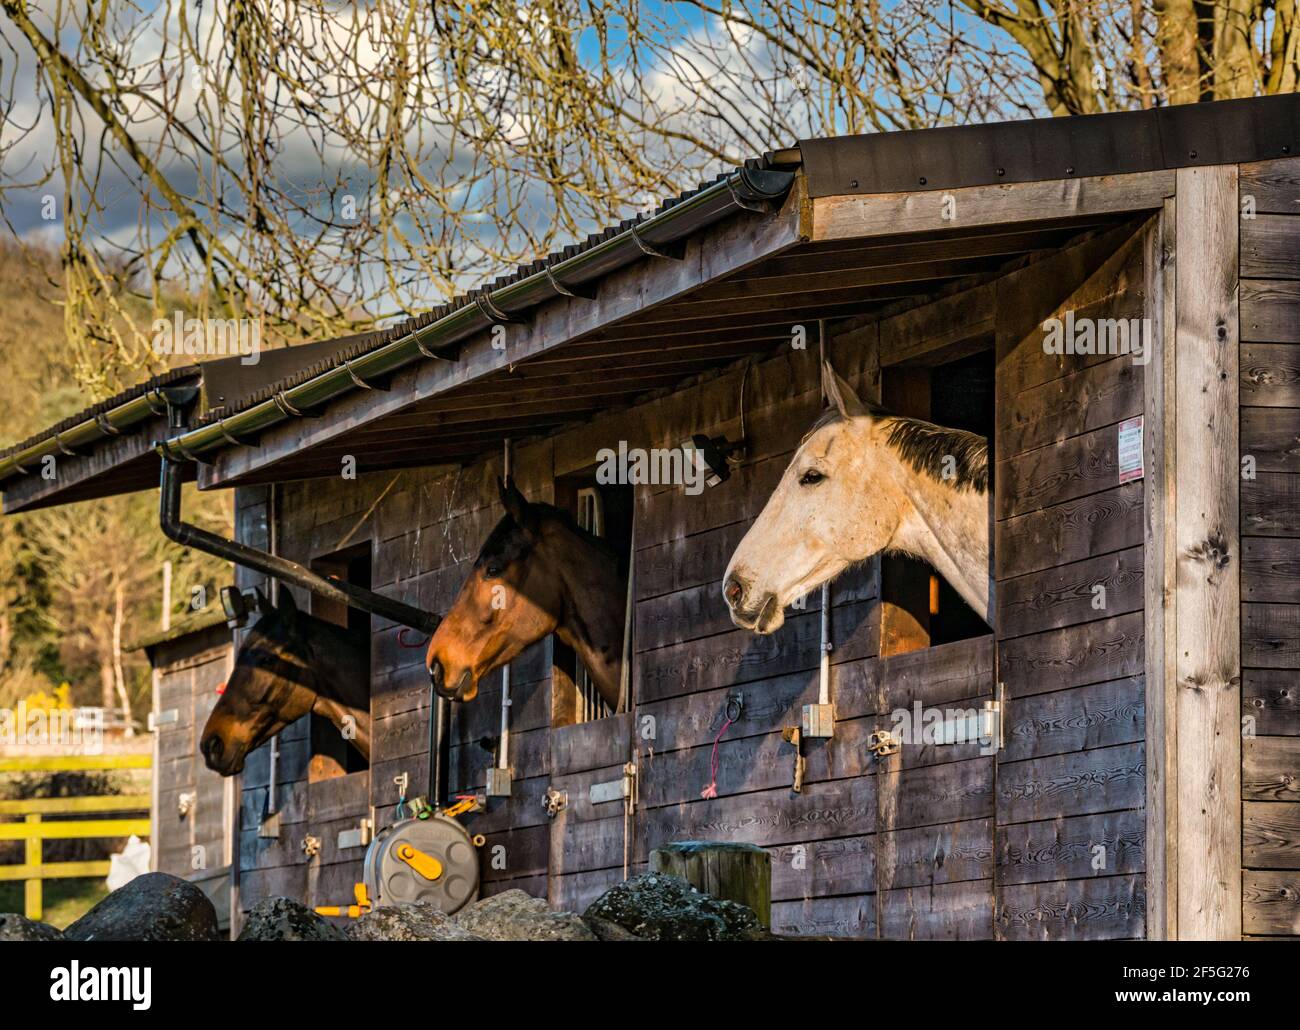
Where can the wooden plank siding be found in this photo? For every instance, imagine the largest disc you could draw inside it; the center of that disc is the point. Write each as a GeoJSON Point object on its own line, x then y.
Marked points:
{"type": "Point", "coordinates": [1270, 539]}
{"type": "Point", "coordinates": [196, 844]}
{"type": "Point", "coordinates": [1070, 783]}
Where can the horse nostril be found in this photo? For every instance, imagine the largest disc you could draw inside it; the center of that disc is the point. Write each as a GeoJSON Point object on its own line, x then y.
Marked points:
{"type": "Point", "coordinates": [212, 748]}
{"type": "Point", "coordinates": [734, 590]}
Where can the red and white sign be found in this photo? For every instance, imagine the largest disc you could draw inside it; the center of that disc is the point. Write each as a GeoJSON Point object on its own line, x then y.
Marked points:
{"type": "Point", "coordinates": [1130, 450]}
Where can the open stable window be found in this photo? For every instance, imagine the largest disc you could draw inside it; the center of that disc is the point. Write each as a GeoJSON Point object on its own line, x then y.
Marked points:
{"type": "Point", "coordinates": [604, 510]}
{"type": "Point", "coordinates": [919, 607]}
{"type": "Point", "coordinates": [331, 755]}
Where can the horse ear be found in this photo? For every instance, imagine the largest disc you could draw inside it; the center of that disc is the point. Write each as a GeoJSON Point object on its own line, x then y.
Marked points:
{"type": "Point", "coordinates": [516, 504]}
{"type": "Point", "coordinates": [286, 605]}
{"type": "Point", "coordinates": [841, 393]}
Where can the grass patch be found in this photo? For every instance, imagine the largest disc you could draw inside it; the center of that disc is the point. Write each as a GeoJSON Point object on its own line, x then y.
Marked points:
{"type": "Point", "coordinates": [65, 901]}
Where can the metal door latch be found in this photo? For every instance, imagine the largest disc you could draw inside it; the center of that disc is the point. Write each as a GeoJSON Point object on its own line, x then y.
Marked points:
{"type": "Point", "coordinates": [311, 846]}
{"type": "Point", "coordinates": [185, 803]}
{"type": "Point", "coordinates": [794, 735]}
{"type": "Point", "coordinates": [159, 719]}
{"type": "Point", "coordinates": [980, 724]}
{"type": "Point", "coordinates": [555, 801]}
{"type": "Point", "coordinates": [357, 838]}
{"type": "Point", "coordinates": [615, 790]}
{"type": "Point", "coordinates": [882, 743]}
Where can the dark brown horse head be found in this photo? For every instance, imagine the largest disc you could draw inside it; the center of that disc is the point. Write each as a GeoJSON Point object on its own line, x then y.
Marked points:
{"type": "Point", "coordinates": [273, 683]}
{"type": "Point", "coordinates": [537, 573]}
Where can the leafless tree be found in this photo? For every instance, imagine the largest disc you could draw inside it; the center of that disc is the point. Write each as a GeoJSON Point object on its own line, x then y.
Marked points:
{"type": "Point", "coordinates": [324, 167]}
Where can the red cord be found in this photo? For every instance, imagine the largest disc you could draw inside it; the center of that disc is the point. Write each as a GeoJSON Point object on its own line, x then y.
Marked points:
{"type": "Point", "coordinates": [711, 791]}
{"type": "Point", "coordinates": [401, 642]}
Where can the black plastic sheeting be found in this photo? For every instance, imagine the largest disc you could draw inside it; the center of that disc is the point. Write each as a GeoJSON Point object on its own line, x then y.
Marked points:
{"type": "Point", "coordinates": [1223, 132]}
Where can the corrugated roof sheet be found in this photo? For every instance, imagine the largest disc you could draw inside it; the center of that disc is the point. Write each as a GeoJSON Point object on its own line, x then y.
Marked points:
{"type": "Point", "coordinates": [172, 375]}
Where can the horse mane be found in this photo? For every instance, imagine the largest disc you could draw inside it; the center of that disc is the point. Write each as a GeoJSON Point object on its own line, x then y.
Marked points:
{"type": "Point", "coordinates": [925, 446]}
{"type": "Point", "coordinates": [501, 531]}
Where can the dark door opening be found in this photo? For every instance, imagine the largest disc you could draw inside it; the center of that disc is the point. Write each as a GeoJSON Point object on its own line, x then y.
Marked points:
{"type": "Point", "coordinates": [919, 608]}
{"type": "Point", "coordinates": [331, 754]}
{"type": "Point", "coordinates": [607, 511]}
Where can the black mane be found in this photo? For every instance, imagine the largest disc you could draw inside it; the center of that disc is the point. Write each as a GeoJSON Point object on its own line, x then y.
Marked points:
{"type": "Point", "coordinates": [504, 542]}
{"type": "Point", "coordinates": [925, 446]}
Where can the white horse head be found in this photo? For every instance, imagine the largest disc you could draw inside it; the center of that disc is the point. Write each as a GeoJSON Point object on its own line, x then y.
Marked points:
{"type": "Point", "coordinates": [862, 482]}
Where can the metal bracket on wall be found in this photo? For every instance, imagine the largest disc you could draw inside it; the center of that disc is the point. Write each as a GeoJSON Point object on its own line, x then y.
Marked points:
{"type": "Point", "coordinates": [499, 782]}
{"type": "Point", "coordinates": [270, 826]}
{"type": "Point", "coordinates": [882, 743]}
{"type": "Point", "coordinates": [555, 801]}
{"type": "Point", "coordinates": [311, 846]}
{"type": "Point", "coordinates": [819, 720]}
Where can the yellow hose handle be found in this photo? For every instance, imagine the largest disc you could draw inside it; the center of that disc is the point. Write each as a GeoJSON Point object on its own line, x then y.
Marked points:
{"type": "Point", "coordinates": [362, 906]}
{"type": "Point", "coordinates": [465, 804]}
{"type": "Point", "coordinates": [426, 865]}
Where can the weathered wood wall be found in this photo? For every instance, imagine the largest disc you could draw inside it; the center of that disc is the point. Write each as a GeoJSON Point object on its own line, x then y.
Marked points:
{"type": "Point", "coordinates": [1270, 538]}
{"type": "Point", "coordinates": [1068, 556]}
{"type": "Point", "coordinates": [195, 844]}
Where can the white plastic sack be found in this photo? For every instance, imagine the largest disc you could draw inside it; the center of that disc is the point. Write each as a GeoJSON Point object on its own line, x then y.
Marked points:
{"type": "Point", "coordinates": [132, 861]}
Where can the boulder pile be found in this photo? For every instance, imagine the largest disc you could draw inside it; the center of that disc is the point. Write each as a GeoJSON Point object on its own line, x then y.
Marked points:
{"type": "Point", "coordinates": [648, 907]}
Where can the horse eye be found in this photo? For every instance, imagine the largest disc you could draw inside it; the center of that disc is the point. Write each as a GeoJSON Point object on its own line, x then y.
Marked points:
{"type": "Point", "coordinates": [492, 570]}
{"type": "Point", "coordinates": [811, 478]}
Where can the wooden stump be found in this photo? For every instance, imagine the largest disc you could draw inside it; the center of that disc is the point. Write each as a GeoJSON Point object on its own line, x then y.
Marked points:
{"type": "Point", "coordinates": [733, 872]}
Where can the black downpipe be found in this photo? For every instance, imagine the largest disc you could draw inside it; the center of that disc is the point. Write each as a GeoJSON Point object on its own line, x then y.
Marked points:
{"type": "Point", "coordinates": [439, 751]}
{"type": "Point", "coordinates": [272, 565]}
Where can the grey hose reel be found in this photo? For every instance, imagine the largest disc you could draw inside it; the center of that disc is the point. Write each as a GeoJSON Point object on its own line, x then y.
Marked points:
{"type": "Point", "coordinates": [429, 859]}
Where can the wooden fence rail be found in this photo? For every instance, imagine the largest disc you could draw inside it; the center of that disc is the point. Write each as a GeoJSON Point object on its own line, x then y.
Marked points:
{"type": "Point", "coordinates": [33, 830]}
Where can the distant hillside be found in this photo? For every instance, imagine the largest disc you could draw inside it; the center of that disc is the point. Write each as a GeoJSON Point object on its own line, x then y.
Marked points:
{"type": "Point", "coordinates": [36, 387]}
{"type": "Point", "coordinates": [66, 574]}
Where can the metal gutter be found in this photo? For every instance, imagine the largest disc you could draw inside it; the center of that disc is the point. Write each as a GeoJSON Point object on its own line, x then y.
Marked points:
{"type": "Point", "coordinates": [746, 189]}
{"type": "Point", "coordinates": [115, 421]}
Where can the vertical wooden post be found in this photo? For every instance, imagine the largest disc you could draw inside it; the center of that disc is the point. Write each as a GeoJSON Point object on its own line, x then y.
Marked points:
{"type": "Point", "coordinates": [730, 871]}
{"type": "Point", "coordinates": [1202, 721]}
{"type": "Point", "coordinates": [32, 900]}
{"type": "Point", "coordinates": [1159, 426]}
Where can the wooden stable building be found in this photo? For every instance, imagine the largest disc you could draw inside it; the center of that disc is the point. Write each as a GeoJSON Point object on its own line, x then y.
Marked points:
{"type": "Point", "coordinates": [1146, 551]}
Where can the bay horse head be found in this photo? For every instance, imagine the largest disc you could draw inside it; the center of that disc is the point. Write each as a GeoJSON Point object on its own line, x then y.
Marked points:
{"type": "Point", "coordinates": [537, 573]}
{"type": "Point", "coordinates": [864, 481]}
{"type": "Point", "coordinates": [290, 664]}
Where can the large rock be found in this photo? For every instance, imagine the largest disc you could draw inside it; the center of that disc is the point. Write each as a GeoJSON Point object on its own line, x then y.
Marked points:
{"type": "Point", "coordinates": [419, 921]}
{"type": "Point", "coordinates": [152, 907]}
{"type": "Point", "coordinates": [607, 931]}
{"type": "Point", "coordinates": [658, 907]}
{"type": "Point", "coordinates": [280, 919]}
{"type": "Point", "coordinates": [14, 927]}
{"type": "Point", "coordinates": [515, 916]}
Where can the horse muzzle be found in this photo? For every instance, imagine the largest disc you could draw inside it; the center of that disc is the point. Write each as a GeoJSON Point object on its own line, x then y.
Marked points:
{"type": "Point", "coordinates": [759, 615]}
{"type": "Point", "coordinates": [226, 761]}
{"type": "Point", "coordinates": [449, 691]}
